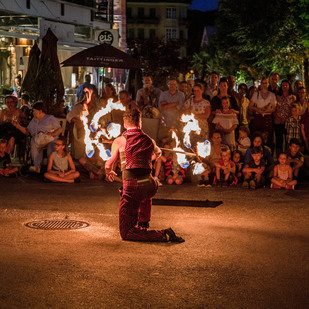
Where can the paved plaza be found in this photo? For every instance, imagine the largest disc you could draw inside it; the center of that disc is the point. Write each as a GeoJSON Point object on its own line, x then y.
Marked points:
{"type": "Point", "coordinates": [250, 252]}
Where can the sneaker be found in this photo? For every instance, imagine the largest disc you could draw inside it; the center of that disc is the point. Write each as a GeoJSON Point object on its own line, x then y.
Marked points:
{"type": "Point", "coordinates": [201, 184]}
{"type": "Point", "coordinates": [171, 236]}
{"type": "Point", "coordinates": [35, 169]}
{"type": "Point", "coordinates": [252, 184]}
{"type": "Point", "coordinates": [245, 184]}
{"type": "Point", "coordinates": [158, 181]}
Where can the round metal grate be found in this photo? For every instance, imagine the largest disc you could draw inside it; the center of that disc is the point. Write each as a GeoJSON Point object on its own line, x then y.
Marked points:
{"type": "Point", "coordinates": [57, 225]}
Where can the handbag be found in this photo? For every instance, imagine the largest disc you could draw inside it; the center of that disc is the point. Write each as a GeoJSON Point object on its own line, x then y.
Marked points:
{"type": "Point", "coordinates": [42, 139]}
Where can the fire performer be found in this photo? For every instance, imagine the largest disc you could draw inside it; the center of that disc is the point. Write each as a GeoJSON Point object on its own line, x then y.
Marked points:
{"type": "Point", "coordinates": [136, 150]}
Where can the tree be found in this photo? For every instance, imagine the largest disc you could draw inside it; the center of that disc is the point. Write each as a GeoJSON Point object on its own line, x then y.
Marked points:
{"type": "Point", "coordinates": [160, 59]}
{"type": "Point", "coordinates": [257, 37]}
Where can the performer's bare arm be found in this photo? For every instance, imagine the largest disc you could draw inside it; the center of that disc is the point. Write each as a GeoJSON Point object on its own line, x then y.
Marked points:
{"type": "Point", "coordinates": [157, 152]}
{"type": "Point", "coordinates": [117, 146]}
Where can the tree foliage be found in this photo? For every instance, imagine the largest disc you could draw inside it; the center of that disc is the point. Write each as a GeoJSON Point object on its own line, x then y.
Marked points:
{"type": "Point", "coordinates": [257, 37]}
{"type": "Point", "coordinates": [161, 59]}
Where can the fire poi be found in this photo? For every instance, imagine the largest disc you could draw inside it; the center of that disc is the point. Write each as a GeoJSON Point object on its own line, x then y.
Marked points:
{"type": "Point", "coordinates": [94, 134]}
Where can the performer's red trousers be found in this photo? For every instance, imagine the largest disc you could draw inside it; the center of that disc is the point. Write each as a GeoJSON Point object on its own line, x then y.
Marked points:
{"type": "Point", "coordinates": [135, 205]}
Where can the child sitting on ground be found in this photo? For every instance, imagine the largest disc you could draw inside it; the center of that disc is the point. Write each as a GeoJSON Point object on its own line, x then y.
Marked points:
{"type": "Point", "coordinates": [254, 170]}
{"type": "Point", "coordinates": [173, 172]}
{"type": "Point", "coordinates": [238, 165]}
{"type": "Point", "coordinates": [243, 142]}
{"type": "Point", "coordinates": [60, 165]}
{"type": "Point", "coordinates": [6, 167]}
{"type": "Point", "coordinates": [225, 169]}
{"type": "Point", "coordinates": [283, 174]}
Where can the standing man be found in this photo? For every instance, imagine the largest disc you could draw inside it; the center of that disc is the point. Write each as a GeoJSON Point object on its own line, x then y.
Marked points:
{"type": "Point", "coordinates": [136, 150]}
{"type": "Point", "coordinates": [149, 95]}
{"type": "Point", "coordinates": [170, 104]}
{"type": "Point", "coordinates": [85, 85]}
{"type": "Point", "coordinates": [231, 80]}
{"type": "Point", "coordinates": [274, 80]}
{"type": "Point", "coordinates": [212, 88]}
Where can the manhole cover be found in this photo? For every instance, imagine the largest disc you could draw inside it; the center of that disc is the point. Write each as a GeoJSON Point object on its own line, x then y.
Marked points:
{"type": "Point", "coordinates": [57, 225]}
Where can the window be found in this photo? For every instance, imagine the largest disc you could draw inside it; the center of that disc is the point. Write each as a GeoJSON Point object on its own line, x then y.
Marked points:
{"type": "Point", "coordinates": [130, 33]}
{"type": "Point", "coordinates": [171, 13]}
{"type": "Point", "coordinates": [140, 12]}
{"type": "Point", "coordinates": [152, 33]}
{"type": "Point", "coordinates": [129, 12]}
{"type": "Point", "coordinates": [152, 13]}
{"type": "Point", "coordinates": [140, 34]}
{"type": "Point", "coordinates": [181, 35]}
{"type": "Point", "coordinates": [170, 33]}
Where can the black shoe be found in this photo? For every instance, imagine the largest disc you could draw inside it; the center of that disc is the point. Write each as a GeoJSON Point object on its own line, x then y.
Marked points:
{"type": "Point", "coordinates": [171, 236]}
{"type": "Point", "coordinates": [144, 225]}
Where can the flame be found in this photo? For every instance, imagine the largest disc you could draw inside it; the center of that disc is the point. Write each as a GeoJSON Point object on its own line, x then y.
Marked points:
{"type": "Point", "coordinates": [88, 142]}
{"type": "Point", "coordinates": [113, 130]}
{"type": "Point", "coordinates": [105, 110]}
{"type": "Point", "coordinates": [93, 132]}
{"type": "Point", "coordinates": [203, 149]}
{"type": "Point", "coordinates": [191, 125]}
{"type": "Point", "coordinates": [181, 158]}
{"type": "Point", "coordinates": [198, 169]}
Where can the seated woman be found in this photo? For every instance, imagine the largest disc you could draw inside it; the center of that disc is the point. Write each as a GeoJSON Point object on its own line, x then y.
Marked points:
{"type": "Point", "coordinates": [60, 165]}
{"type": "Point", "coordinates": [7, 130]}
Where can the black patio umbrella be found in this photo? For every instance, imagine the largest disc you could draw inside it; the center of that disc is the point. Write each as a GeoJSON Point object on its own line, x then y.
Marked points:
{"type": "Point", "coordinates": [49, 79]}
{"type": "Point", "coordinates": [34, 57]}
{"type": "Point", "coordinates": [103, 55]}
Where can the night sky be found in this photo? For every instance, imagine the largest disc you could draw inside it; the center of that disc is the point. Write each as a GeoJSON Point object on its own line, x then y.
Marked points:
{"type": "Point", "coordinates": [204, 5]}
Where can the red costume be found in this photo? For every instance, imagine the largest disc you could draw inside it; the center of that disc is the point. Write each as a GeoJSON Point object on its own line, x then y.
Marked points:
{"type": "Point", "coordinates": [138, 188]}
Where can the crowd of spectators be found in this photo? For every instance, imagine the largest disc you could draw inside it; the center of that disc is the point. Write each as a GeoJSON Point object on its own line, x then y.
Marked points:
{"type": "Point", "coordinates": [259, 135]}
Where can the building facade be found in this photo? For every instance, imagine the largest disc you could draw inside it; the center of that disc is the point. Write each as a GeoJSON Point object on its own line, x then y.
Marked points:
{"type": "Point", "coordinates": [76, 24]}
{"type": "Point", "coordinates": [164, 20]}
